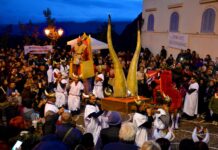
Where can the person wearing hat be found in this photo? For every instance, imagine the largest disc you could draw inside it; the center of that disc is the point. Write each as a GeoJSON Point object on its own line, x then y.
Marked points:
{"type": "Point", "coordinates": [51, 112]}
{"type": "Point", "coordinates": [50, 104]}
{"type": "Point", "coordinates": [92, 118]}
{"type": "Point", "coordinates": [76, 88]}
{"type": "Point", "coordinates": [111, 134]}
{"type": "Point", "coordinates": [191, 99]}
{"type": "Point", "coordinates": [61, 93]}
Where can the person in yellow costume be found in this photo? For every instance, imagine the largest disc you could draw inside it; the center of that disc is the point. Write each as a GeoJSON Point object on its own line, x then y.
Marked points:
{"type": "Point", "coordinates": [80, 53]}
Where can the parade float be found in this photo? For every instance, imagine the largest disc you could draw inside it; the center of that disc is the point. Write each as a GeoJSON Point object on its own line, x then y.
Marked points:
{"type": "Point", "coordinates": [125, 91]}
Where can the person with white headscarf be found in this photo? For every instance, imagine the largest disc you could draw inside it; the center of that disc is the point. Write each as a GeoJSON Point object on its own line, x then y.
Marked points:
{"type": "Point", "coordinates": [191, 99]}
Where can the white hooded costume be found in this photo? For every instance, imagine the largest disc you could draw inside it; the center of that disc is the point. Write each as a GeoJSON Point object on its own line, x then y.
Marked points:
{"type": "Point", "coordinates": [141, 133]}
{"type": "Point", "coordinates": [92, 125]}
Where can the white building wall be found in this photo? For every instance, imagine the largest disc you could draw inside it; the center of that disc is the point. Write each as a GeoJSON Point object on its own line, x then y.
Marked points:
{"type": "Point", "coordinates": [190, 16]}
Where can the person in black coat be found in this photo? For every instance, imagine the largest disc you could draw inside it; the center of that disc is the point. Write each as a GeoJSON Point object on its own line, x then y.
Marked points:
{"type": "Point", "coordinates": [67, 131]}
{"type": "Point", "coordinates": [111, 134]}
{"type": "Point", "coordinates": [50, 121]}
{"type": "Point", "coordinates": [163, 53]}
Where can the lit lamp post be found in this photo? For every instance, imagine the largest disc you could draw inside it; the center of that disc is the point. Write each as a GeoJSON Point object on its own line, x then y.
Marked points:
{"type": "Point", "coordinates": [53, 34]}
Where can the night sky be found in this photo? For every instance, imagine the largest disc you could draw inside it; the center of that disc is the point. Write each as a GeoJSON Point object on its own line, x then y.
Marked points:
{"type": "Point", "coordinates": [14, 11]}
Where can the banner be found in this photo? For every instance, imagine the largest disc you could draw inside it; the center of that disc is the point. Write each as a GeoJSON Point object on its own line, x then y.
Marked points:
{"type": "Point", "coordinates": [35, 49]}
{"type": "Point", "coordinates": [178, 40]}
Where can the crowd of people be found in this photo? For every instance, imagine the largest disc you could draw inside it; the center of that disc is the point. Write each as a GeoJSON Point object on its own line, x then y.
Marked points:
{"type": "Point", "coordinates": [38, 95]}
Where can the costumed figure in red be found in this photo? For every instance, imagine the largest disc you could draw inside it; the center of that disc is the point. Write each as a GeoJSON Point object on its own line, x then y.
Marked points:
{"type": "Point", "coordinates": [168, 89]}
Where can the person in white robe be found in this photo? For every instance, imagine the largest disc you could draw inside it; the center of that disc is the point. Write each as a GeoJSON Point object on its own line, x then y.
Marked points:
{"type": "Point", "coordinates": [74, 95]}
{"type": "Point", "coordinates": [50, 104]}
{"type": "Point", "coordinates": [64, 68]}
{"type": "Point", "coordinates": [98, 86]}
{"type": "Point", "coordinates": [91, 118]}
{"type": "Point", "coordinates": [56, 72]}
{"type": "Point", "coordinates": [142, 120]}
{"type": "Point", "coordinates": [50, 74]}
{"type": "Point", "coordinates": [61, 93]}
{"type": "Point", "coordinates": [191, 99]}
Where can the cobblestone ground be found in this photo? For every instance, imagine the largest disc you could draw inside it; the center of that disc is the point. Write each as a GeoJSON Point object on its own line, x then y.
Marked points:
{"type": "Point", "coordinates": [185, 130]}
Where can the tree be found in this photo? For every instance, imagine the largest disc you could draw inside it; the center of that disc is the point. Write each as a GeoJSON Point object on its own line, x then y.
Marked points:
{"type": "Point", "coordinates": [50, 21]}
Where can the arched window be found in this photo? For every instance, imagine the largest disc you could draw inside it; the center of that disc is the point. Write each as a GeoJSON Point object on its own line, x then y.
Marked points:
{"type": "Point", "coordinates": [150, 25]}
{"type": "Point", "coordinates": [208, 20]}
{"type": "Point", "coordinates": [174, 22]}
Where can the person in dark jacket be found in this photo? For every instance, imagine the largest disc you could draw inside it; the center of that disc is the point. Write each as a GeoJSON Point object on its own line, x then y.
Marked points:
{"type": "Point", "coordinates": [163, 53]}
{"type": "Point", "coordinates": [67, 131]}
{"type": "Point", "coordinates": [51, 141]}
{"type": "Point", "coordinates": [50, 121]}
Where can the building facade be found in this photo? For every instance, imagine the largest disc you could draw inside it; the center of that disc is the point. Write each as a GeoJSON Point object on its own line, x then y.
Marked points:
{"type": "Point", "coordinates": [193, 22]}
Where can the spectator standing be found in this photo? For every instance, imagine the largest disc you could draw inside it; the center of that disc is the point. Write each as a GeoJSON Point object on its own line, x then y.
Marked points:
{"type": "Point", "coordinates": [163, 52]}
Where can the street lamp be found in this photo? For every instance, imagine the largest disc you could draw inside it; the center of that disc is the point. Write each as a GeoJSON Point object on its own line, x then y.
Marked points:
{"type": "Point", "coordinates": [53, 33]}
